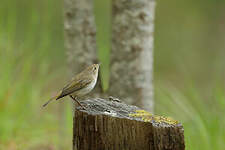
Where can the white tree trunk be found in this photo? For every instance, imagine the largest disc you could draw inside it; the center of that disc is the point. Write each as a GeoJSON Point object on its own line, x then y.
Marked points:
{"type": "Point", "coordinates": [80, 34]}
{"type": "Point", "coordinates": [132, 46]}
{"type": "Point", "coordinates": [132, 52]}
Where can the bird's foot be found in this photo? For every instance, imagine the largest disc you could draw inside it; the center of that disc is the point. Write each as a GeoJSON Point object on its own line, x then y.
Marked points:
{"type": "Point", "coordinates": [73, 98]}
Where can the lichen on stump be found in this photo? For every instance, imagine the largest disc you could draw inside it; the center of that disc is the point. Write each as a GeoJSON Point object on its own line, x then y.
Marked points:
{"type": "Point", "coordinates": [112, 125]}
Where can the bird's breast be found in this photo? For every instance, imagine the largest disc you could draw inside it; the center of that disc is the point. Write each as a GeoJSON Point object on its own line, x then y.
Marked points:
{"type": "Point", "coordinates": [85, 90]}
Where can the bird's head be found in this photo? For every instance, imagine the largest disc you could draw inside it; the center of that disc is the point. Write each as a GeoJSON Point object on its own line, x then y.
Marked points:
{"type": "Point", "coordinates": [93, 69]}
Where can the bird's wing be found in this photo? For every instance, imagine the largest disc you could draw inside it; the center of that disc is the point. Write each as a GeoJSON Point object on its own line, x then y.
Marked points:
{"type": "Point", "coordinates": [73, 86]}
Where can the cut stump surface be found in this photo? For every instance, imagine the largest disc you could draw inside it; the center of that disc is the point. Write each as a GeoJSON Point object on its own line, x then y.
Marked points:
{"type": "Point", "coordinates": [113, 125]}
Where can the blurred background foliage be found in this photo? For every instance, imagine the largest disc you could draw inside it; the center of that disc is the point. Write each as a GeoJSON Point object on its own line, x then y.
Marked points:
{"type": "Point", "coordinates": [189, 72]}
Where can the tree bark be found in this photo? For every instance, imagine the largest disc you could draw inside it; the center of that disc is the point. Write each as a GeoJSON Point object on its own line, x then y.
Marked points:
{"type": "Point", "coordinates": [80, 34]}
{"type": "Point", "coordinates": [80, 37]}
{"type": "Point", "coordinates": [112, 125]}
{"type": "Point", "coordinates": [132, 52]}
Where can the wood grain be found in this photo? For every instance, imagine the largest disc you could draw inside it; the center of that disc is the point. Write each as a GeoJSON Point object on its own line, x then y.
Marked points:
{"type": "Point", "coordinates": [112, 125]}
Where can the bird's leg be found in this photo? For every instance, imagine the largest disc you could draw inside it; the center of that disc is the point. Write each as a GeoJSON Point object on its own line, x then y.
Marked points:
{"type": "Point", "coordinates": [73, 98]}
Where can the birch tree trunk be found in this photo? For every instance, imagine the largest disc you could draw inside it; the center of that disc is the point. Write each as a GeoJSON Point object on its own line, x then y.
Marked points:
{"type": "Point", "coordinates": [132, 52]}
{"type": "Point", "coordinates": [132, 46]}
{"type": "Point", "coordinates": [80, 34]}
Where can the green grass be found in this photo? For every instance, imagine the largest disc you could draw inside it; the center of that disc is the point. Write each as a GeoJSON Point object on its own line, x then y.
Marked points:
{"type": "Point", "coordinates": [203, 120]}
{"type": "Point", "coordinates": [29, 54]}
{"type": "Point", "coordinates": [188, 76]}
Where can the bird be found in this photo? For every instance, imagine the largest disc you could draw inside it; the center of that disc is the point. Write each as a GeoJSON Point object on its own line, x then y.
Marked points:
{"type": "Point", "coordinates": [80, 85]}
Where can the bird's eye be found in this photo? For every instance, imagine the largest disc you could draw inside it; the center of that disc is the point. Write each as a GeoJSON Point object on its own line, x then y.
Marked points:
{"type": "Point", "coordinates": [95, 68]}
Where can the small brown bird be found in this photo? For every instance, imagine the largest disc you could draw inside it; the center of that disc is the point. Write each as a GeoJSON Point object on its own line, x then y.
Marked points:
{"type": "Point", "coordinates": [80, 85]}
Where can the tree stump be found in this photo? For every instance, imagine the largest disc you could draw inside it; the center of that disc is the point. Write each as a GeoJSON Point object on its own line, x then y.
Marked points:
{"type": "Point", "coordinates": [113, 125]}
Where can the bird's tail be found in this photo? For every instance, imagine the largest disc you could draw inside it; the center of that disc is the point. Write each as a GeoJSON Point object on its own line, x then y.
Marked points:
{"type": "Point", "coordinates": [53, 98]}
